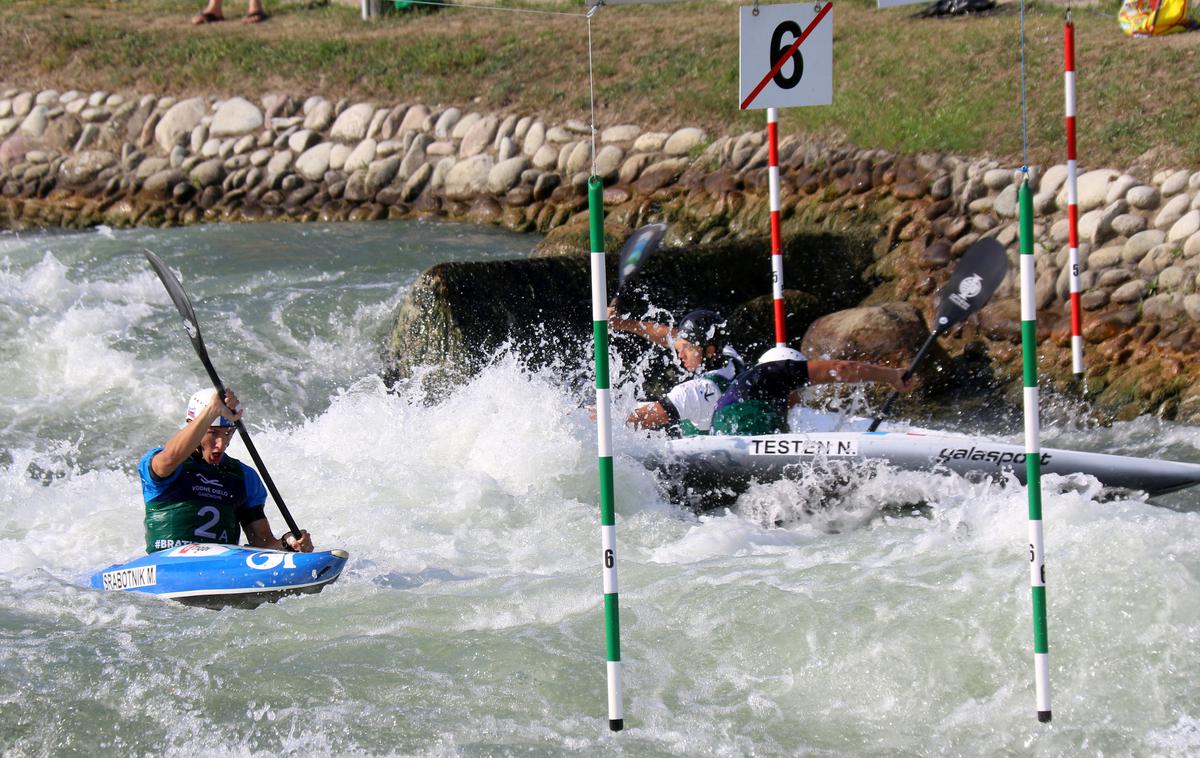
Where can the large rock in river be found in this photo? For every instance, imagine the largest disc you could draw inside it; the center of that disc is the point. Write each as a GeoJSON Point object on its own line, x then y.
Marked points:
{"type": "Point", "coordinates": [458, 315]}
{"type": "Point", "coordinates": [889, 333]}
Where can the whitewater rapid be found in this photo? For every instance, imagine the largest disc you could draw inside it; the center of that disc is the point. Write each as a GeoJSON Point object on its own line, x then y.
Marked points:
{"type": "Point", "coordinates": [469, 619]}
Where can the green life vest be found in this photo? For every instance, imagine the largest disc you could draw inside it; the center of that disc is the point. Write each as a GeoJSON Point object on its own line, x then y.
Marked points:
{"type": "Point", "coordinates": [199, 505]}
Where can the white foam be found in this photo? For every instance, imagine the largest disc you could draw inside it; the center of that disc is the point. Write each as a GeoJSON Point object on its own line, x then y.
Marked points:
{"type": "Point", "coordinates": [469, 618]}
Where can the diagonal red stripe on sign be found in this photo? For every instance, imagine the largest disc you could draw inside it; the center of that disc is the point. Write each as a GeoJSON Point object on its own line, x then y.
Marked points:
{"type": "Point", "coordinates": [787, 55]}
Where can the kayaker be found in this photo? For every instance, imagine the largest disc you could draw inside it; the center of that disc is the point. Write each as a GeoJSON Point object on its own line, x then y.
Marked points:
{"type": "Point", "coordinates": [757, 402]}
{"type": "Point", "coordinates": [701, 344]}
{"type": "Point", "coordinates": [196, 493]}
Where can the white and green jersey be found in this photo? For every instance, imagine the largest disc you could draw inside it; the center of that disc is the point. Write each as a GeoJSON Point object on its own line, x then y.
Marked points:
{"type": "Point", "coordinates": [690, 404]}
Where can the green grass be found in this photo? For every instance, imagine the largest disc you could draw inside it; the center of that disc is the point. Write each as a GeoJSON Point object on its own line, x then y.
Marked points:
{"type": "Point", "coordinates": [901, 83]}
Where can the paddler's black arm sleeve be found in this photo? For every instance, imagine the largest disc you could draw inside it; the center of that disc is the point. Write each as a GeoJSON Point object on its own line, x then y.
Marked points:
{"type": "Point", "coordinates": [671, 428]}
{"type": "Point", "coordinates": [247, 516]}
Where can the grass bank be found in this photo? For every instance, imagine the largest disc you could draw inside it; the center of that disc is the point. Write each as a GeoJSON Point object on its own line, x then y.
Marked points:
{"type": "Point", "coordinates": [901, 83]}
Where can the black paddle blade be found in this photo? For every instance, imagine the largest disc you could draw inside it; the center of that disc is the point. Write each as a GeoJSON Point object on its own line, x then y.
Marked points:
{"type": "Point", "coordinates": [638, 249]}
{"type": "Point", "coordinates": [979, 272]}
{"type": "Point", "coordinates": [178, 296]}
{"type": "Point", "coordinates": [184, 306]}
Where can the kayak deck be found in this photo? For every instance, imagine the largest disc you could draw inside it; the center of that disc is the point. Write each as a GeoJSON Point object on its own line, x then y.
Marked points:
{"type": "Point", "coordinates": [729, 463]}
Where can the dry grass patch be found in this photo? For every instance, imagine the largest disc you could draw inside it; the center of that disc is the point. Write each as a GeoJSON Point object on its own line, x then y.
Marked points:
{"type": "Point", "coordinates": [901, 83]}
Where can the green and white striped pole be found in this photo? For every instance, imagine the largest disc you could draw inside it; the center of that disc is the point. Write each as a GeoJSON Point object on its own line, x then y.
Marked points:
{"type": "Point", "coordinates": [608, 528]}
{"type": "Point", "coordinates": [1033, 458]}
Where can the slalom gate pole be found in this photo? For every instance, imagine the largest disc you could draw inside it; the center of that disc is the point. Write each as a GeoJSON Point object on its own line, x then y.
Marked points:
{"type": "Point", "coordinates": [1072, 197]}
{"type": "Point", "coordinates": [608, 529]}
{"type": "Point", "coordinates": [776, 241]}
{"type": "Point", "coordinates": [1033, 461]}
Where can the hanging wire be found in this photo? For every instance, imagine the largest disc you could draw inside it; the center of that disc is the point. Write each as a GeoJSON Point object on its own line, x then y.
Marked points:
{"type": "Point", "coordinates": [1024, 102]}
{"type": "Point", "coordinates": [592, 87]}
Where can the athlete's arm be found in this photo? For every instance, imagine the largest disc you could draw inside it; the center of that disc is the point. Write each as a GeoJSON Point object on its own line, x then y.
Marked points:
{"type": "Point", "coordinates": [825, 372]}
{"type": "Point", "coordinates": [659, 334]}
{"type": "Point", "coordinates": [187, 439]}
{"type": "Point", "coordinates": [260, 535]}
{"type": "Point", "coordinates": [649, 416]}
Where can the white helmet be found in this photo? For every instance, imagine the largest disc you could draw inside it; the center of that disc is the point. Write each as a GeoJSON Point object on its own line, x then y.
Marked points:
{"type": "Point", "coordinates": [199, 402]}
{"type": "Point", "coordinates": [781, 354]}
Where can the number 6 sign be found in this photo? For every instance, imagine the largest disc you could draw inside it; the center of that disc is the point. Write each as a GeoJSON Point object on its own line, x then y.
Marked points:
{"type": "Point", "coordinates": [786, 55]}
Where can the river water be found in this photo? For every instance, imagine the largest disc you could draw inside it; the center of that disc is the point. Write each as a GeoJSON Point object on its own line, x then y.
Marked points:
{"type": "Point", "coordinates": [469, 619]}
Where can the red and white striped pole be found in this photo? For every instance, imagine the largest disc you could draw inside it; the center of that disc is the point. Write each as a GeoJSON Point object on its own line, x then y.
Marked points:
{"type": "Point", "coordinates": [776, 243]}
{"type": "Point", "coordinates": [1072, 198]}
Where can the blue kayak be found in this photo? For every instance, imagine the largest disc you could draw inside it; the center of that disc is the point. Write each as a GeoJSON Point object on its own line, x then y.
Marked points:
{"type": "Point", "coordinates": [214, 576]}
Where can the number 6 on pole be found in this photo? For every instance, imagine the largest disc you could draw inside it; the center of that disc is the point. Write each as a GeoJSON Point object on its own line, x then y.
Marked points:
{"type": "Point", "coordinates": [786, 54]}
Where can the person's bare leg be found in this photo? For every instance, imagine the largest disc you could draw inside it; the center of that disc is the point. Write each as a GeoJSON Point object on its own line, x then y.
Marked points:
{"type": "Point", "coordinates": [255, 12]}
{"type": "Point", "coordinates": [210, 14]}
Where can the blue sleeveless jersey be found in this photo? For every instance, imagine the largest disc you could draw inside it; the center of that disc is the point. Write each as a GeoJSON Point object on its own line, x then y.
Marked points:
{"type": "Point", "coordinates": [199, 502]}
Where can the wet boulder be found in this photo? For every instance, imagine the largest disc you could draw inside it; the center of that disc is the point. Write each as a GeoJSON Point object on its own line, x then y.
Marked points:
{"type": "Point", "coordinates": [459, 316]}
{"type": "Point", "coordinates": [889, 334]}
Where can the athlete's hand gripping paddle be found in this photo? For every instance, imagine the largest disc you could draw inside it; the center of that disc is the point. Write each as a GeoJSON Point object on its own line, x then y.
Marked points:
{"type": "Point", "coordinates": [979, 272]}
{"type": "Point", "coordinates": [180, 298]}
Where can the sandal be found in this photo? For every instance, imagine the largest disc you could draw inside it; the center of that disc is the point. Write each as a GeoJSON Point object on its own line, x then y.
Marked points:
{"type": "Point", "coordinates": [206, 18]}
{"type": "Point", "coordinates": [255, 17]}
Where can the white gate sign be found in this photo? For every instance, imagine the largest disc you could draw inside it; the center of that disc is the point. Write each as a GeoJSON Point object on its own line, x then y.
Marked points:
{"type": "Point", "coordinates": [786, 55]}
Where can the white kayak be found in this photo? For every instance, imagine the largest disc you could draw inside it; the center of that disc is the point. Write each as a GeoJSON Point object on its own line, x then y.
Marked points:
{"type": "Point", "coordinates": [723, 461]}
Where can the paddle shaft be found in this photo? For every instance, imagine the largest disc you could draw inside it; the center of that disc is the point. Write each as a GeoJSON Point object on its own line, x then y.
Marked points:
{"type": "Point", "coordinates": [887, 406]}
{"type": "Point", "coordinates": [258, 461]}
{"type": "Point", "coordinates": [184, 306]}
{"type": "Point", "coordinates": [977, 275]}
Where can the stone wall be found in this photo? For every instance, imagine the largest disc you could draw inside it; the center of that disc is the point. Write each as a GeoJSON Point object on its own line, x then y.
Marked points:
{"type": "Point", "coordinates": [79, 159]}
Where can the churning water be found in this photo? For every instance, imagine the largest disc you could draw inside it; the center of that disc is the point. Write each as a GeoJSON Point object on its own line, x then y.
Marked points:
{"type": "Point", "coordinates": [469, 619]}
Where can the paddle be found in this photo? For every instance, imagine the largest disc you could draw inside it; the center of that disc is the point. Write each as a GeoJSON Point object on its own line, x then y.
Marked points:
{"type": "Point", "coordinates": [979, 272]}
{"type": "Point", "coordinates": [634, 254]}
{"type": "Point", "coordinates": [638, 248]}
{"type": "Point", "coordinates": [180, 298]}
